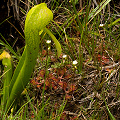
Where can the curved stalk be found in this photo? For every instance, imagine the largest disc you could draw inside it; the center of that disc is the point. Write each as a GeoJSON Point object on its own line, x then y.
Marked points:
{"type": "Point", "coordinates": [6, 61]}
{"type": "Point", "coordinates": [37, 18]}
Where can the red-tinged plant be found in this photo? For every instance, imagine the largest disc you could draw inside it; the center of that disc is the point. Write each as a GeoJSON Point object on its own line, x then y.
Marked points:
{"type": "Point", "coordinates": [68, 76]}
{"type": "Point", "coordinates": [63, 116]}
{"type": "Point", "coordinates": [33, 82]}
{"type": "Point", "coordinates": [74, 118]}
{"type": "Point", "coordinates": [44, 53]}
{"type": "Point", "coordinates": [51, 76]}
{"type": "Point", "coordinates": [53, 59]}
{"type": "Point", "coordinates": [32, 116]}
{"type": "Point", "coordinates": [63, 85]}
{"type": "Point", "coordinates": [109, 70]}
{"type": "Point", "coordinates": [61, 72]}
{"type": "Point", "coordinates": [55, 82]}
{"type": "Point", "coordinates": [67, 96]}
{"type": "Point", "coordinates": [54, 87]}
{"type": "Point", "coordinates": [47, 83]}
{"type": "Point", "coordinates": [56, 105]}
{"type": "Point", "coordinates": [38, 86]}
{"type": "Point", "coordinates": [72, 88]}
{"type": "Point", "coordinates": [103, 59]}
{"type": "Point", "coordinates": [41, 74]}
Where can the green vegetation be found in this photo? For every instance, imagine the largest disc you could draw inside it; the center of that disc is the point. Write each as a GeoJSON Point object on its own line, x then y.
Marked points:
{"type": "Point", "coordinates": [80, 82]}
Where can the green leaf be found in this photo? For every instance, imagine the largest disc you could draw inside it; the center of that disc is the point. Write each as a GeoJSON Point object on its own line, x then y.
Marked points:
{"type": "Point", "coordinates": [113, 23]}
{"type": "Point", "coordinates": [57, 44]}
{"type": "Point", "coordinates": [37, 19]}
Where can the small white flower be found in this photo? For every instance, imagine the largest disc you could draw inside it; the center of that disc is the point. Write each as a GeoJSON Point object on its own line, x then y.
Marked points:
{"type": "Point", "coordinates": [49, 69]}
{"type": "Point", "coordinates": [64, 56]}
{"type": "Point", "coordinates": [48, 41]}
{"type": "Point", "coordinates": [101, 25]}
{"type": "Point", "coordinates": [75, 62]}
{"type": "Point", "coordinates": [48, 48]}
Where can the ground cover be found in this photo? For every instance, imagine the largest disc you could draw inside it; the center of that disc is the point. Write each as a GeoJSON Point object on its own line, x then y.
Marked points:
{"type": "Point", "coordinates": [84, 82]}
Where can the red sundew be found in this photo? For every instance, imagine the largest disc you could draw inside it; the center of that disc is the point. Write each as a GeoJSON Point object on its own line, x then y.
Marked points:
{"type": "Point", "coordinates": [61, 56]}
{"type": "Point", "coordinates": [99, 57]}
{"type": "Point", "coordinates": [63, 85]}
{"type": "Point", "coordinates": [54, 70]}
{"type": "Point", "coordinates": [109, 70]}
{"type": "Point", "coordinates": [72, 88]}
{"type": "Point", "coordinates": [32, 116]}
{"type": "Point", "coordinates": [50, 76]}
{"type": "Point", "coordinates": [67, 96]}
{"type": "Point", "coordinates": [33, 82]}
{"type": "Point", "coordinates": [49, 52]}
{"type": "Point", "coordinates": [68, 76]}
{"type": "Point", "coordinates": [38, 86]}
{"type": "Point", "coordinates": [61, 77]}
{"type": "Point", "coordinates": [43, 59]}
{"type": "Point", "coordinates": [55, 79]}
{"type": "Point", "coordinates": [69, 65]}
{"type": "Point", "coordinates": [44, 52]}
{"type": "Point", "coordinates": [74, 118]}
{"type": "Point", "coordinates": [63, 116]}
{"type": "Point", "coordinates": [55, 87]}
{"type": "Point", "coordinates": [56, 105]}
{"type": "Point", "coordinates": [39, 78]}
{"type": "Point", "coordinates": [42, 73]}
{"type": "Point", "coordinates": [53, 59]}
{"type": "Point", "coordinates": [46, 87]}
{"type": "Point", "coordinates": [47, 83]}
{"type": "Point", "coordinates": [61, 72]}
{"type": "Point", "coordinates": [103, 59]}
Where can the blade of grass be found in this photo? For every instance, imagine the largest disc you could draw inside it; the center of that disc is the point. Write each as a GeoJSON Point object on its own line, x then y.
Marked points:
{"type": "Point", "coordinates": [57, 44]}
{"type": "Point", "coordinates": [6, 44]}
{"type": "Point", "coordinates": [32, 106]}
{"type": "Point", "coordinates": [97, 10]}
{"type": "Point", "coordinates": [114, 23]}
{"type": "Point", "coordinates": [5, 20]}
{"type": "Point", "coordinates": [67, 46]}
{"type": "Point", "coordinates": [16, 115]}
{"type": "Point", "coordinates": [110, 114]}
{"type": "Point", "coordinates": [60, 111]}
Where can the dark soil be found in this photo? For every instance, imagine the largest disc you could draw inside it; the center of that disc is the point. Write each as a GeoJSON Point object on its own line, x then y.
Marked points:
{"type": "Point", "coordinates": [7, 28]}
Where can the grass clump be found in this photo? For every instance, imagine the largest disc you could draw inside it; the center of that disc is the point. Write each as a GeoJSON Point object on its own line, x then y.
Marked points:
{"type": "Point", "coordinates": [89, 34]}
